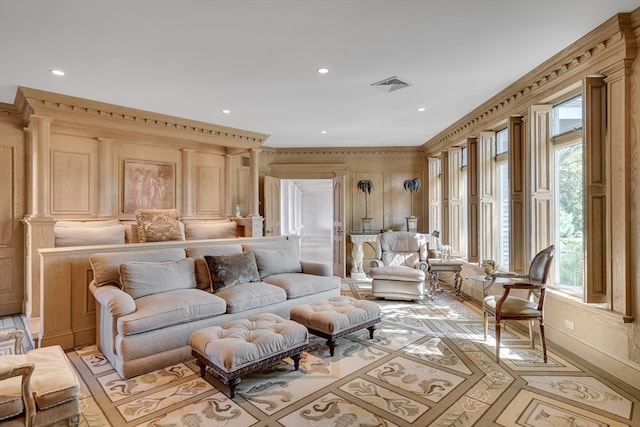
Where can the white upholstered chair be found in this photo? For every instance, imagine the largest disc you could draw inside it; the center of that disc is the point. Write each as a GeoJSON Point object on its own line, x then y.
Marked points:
{"type": "Point", "coordinates": [39, 388]}
{"type": "Point", "coordinates": [400, 268]}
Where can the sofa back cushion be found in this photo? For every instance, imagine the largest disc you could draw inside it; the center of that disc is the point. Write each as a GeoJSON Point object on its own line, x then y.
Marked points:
{"type": "Point", "coordinates": [215, 230]}
{"type": "Point", "coordinates": [203, 276]}
{"type": "Point", "coordinates": [275, 257]}
{"type": "Point", "coordinates": [230, 270]}
{"type": "Point", "coordinates": [140, 279]}
{"type": "Point", "coordinates": [105, 265]}
{"type": "Point", "coordinates": [78, 233]}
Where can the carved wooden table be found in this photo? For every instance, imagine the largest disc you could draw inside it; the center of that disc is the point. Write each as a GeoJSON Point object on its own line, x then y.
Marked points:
{"type": "Point", "coordinates": [436, 267]}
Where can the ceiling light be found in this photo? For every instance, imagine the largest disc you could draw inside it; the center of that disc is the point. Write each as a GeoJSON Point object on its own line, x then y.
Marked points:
{"type": "Point", "coordinates": [421, 109]}
{"type": "Point", "coordinates": [323, 132]}
{"type": "Point", "coordinates": [323, 70]}
{"type": "Point", "coordinates": [225, 111]}
{"type": "Point", "coordinates": [57, 72]}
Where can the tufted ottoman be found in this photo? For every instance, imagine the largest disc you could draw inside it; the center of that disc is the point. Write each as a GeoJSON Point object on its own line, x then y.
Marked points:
{"type": "Point", "coordinates": [337, 317]}
{"type": "Point", "coordinates": [242, 346]}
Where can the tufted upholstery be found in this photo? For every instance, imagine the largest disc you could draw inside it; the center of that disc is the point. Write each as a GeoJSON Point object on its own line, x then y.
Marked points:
{"type": "Point", "coordinates": [236, 344]}
{"type": "Point", "coordinates": [337, 317]}
{"type": "Point", "coordinates": [238, 347]}
{"type": "Point", "coordinates": [399, 270]}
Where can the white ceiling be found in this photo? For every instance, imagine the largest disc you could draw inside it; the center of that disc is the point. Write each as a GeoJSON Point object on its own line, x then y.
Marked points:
{"type": "Point", "coordinates": [258, 58]}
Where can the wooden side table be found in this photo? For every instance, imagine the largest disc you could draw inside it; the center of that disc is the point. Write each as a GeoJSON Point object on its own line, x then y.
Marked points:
{"type": "Point", "coordinates": [437, 266]}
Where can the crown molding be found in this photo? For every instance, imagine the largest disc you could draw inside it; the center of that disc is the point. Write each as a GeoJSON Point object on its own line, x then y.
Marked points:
{"type": "Point", "coordinates": [114, 120]}
{"type": "Point", "coordinates": [612, 42]}
{"type": "Point", "coordinates": [343, 151]}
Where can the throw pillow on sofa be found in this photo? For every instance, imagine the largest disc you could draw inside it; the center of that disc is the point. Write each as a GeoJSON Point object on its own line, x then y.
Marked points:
{"type": "Point", "coordinates": [230, 270]}
{"type": "Point", "coordinates": [140, 279]}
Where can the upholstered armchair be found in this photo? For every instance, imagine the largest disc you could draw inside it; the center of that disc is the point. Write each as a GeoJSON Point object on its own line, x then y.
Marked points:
{"type": "Point", "coordinates": [507, 307]}
{"type": "Point", "coordinates": [39, 388]}
{"type": "Point", "coordinates": [400, 268]}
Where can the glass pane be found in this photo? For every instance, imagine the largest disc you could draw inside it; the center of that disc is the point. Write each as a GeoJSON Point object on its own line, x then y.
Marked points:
{"type": "Point", "coordinates": [502, 141]}
{"type": "Point", "coordinates": [567, 116]}
{"type": "Point", "coordinates": [570, 255]}
{"type": "Point", "coordinates": [503, 215]}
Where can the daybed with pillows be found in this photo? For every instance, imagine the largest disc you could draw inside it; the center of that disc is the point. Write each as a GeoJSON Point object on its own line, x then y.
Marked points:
{"type": "Point", "coordinates": [150, 301]}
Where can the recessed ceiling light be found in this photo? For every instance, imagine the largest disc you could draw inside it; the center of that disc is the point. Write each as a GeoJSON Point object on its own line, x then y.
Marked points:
{"type": "Point", "coordinates": [323, 132]}
{"type": "Point", "coordinates": [57, 72]}
{"type": "Point", "coordinates": [225, 111]}
{"type": "Point", "coordinates": [421, 109]}
{"type": "Point", "coordinates": [323, 70]}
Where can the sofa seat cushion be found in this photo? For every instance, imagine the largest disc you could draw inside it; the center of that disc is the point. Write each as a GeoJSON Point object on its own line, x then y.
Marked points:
{"type": "Point", "coordinates": [53, 381]}
{"type": "Point", "coordinates": [170, 308]}
{"type": "Point", "coordinates": [298, 285]}
{"type": "Point", "coordinates": [400, 273]}
{"type": "Point", "coordinates": [246, 296]}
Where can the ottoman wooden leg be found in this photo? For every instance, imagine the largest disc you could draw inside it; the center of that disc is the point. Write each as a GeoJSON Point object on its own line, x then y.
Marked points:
{"type": "Point", "coordinates": [371, 329]}
{"type": "Point", "coordinates": [232, 383]}
{"type": "Point", "coordinates": [296, 360]}
{"type": "Point", "coordinates": [331, 343]}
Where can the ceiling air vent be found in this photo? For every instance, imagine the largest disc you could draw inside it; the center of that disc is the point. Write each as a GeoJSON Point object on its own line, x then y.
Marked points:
{"type": "Point", "coordinates": [390, 84]}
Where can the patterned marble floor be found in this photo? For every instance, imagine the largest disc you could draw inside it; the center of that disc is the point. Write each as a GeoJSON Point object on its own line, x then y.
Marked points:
{"type": "Point", "coordinates": [426, 366]}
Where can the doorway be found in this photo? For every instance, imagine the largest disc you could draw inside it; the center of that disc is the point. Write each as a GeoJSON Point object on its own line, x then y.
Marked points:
{"type": "Point", "coordinates": [306, 210]}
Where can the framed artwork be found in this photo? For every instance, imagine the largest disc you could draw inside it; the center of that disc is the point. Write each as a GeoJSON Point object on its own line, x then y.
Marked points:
{"type": "Point", "coordinates": [148, 185]}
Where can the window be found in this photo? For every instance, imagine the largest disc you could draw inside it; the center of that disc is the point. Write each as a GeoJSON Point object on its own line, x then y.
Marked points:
{"type": "Point", "coordinates": [569, 211]}
{"type": "Point", "coordinates": [567, 116]}
{"type": "Point", "coordinates": [502, 199]}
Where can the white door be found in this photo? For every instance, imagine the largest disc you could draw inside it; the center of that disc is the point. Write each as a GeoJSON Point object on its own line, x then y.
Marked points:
{"type": "Point", "coordinates": [339, 258]}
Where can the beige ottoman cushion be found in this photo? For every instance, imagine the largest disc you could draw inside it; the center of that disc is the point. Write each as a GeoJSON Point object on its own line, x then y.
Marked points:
{"type": "Point", "coordinates": [241, 346]}
{"type": "Point", "coordinates": [336, 317]}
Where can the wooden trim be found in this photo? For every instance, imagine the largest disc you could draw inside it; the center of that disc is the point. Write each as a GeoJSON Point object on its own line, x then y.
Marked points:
{"type": "Point", "coordinates": [518, 197]}
{"type": "Point", "coordinates": [596, 197]}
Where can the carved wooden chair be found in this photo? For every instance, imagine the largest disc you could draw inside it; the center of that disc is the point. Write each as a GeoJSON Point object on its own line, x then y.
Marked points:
{"type": "Point", "coordinates": [507, 307]}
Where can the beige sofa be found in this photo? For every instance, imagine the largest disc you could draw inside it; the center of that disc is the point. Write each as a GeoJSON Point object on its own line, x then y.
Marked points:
{"type": "Point", "coordinates": [150, 301]}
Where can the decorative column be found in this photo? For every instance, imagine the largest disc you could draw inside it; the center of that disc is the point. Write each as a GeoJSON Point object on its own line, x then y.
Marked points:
{"type": "Point", "coordinates": [228, 196]}
{"type": "Point", "coordinates": [40, 165]}
{"type": "Point", "coordinates": [105, 167]}
{"type": "Point", "coordinates": [254, 208]}
{"type": "Point", "coordinates": [38, 222]}
{"type": "Point", "coordinates": [187, 182]}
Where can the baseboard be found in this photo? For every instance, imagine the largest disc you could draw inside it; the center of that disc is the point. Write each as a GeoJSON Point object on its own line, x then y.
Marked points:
{"type": "Point", "coordinates": [622, 370]}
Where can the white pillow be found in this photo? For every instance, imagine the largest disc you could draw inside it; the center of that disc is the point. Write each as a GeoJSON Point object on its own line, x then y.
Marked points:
{"type": "Point", "coordinates": [77, 233]}
{"type": "Point", "coordinates": [217, 230]}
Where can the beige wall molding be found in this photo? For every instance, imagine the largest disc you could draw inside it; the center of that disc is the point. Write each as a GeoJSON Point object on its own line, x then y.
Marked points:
{"type": "Point", "coordinates": [123, 120]}
{"type": "Point", "coordinates": [611, 42]}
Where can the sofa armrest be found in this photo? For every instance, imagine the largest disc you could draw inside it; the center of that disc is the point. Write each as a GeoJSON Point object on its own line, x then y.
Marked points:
{"type": "Point", "coordinates": [116, 301]}
{"type": "Point", "coordinates": [316, 268]}
{"type": "Point", "coordinates": [376, 263]}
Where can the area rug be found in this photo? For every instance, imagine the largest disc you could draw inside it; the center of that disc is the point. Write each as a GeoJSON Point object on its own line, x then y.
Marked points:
{"type": "Point", "coordinates": [427, 365]}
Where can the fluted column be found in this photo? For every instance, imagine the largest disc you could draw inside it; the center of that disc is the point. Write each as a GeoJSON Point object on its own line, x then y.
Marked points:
{"type": "Point", "coordinates": [187, 182]}
{"type": "Point", "coordinates": [228, 194]}
{"type": "Point", "coordinates": [254, 208]}
{"type": "Point", "coordinates": [40, 165]}
{"type": "Point", "coordinates": [105, 167]}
